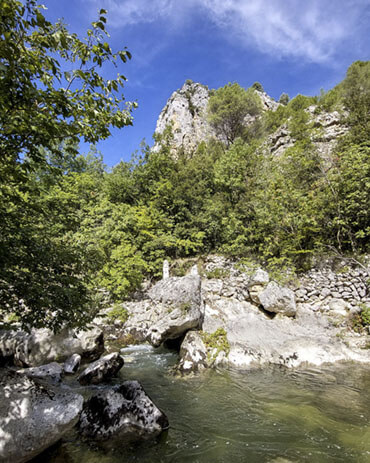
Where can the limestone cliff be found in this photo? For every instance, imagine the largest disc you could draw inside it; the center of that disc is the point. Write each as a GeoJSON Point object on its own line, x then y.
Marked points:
{"type": "Point", "coordinates": [186, 113]}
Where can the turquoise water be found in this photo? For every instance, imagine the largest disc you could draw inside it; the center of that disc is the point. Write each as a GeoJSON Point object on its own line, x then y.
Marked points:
{"type": "Point", "coordinates": [270, 415]}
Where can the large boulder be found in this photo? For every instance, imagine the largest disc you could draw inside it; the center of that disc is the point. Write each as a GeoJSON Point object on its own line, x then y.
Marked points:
{"type": "Point", "coordinates": [120, 410]}
{"type": "Point", "coordinates": [102, 369]}
{"type": "Point", "coordinates": [277, 299]}
{"type": "Point", "coordinates": [174, 306]}
{"type": "Point", "coordinates": [32, 416]}
{"type": "Point", "coordinates": [42, 346]}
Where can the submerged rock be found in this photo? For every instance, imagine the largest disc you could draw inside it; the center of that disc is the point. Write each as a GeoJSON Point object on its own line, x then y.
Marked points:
{"type": "Point", "coordinates": [102, 369]}
{"type": "Point", "coordinates": [124, 409]}
{"type": "Point", "coordinates": [32, 416]}
{"type": "Point", "coordinates": [42, 346]}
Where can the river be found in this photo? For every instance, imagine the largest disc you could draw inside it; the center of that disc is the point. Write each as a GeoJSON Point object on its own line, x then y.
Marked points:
{"type": "Point", "coordinates": [264, 415]}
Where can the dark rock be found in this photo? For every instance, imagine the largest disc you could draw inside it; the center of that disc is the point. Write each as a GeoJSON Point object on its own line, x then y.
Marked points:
{"type": "Point", "coordinates": [102, 369]}
{"type": "Point", "coordinates": [123, 409]}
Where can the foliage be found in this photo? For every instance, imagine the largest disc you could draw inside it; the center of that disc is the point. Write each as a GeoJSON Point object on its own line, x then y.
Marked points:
{"type": "Point", "coordinates": [365, 315]}
{"type": "Point", "coordinates": [218, 273]}
{"type": "Point", "coordinates": [42, 103]}
{"type": "Point", "coordinates": [52, 93]}
{"type": "Point", "coordinates": [284, 99]}
{"type": "Point", "coordinates": [216, 341]}
{"type": "Point", "coordinates": [118, 312]}
{"type": "Point", "coordinates": [228, 107]}
{"type": "Point", "coordinates": [257, 86]}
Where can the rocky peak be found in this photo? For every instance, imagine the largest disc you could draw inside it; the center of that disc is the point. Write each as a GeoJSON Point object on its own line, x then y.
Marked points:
{"type": "Point", "coordinates": [186, 112]}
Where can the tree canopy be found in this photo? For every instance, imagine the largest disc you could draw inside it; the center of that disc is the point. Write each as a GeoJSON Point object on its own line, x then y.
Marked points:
{"type": "Point", "coordinates": [52, 94]}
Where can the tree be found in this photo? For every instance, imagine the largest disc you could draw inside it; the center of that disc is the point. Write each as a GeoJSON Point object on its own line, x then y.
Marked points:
{"type": "Point", "coordinates": [228, 108]}
{"type": "Point", "coordinates": [52, 93]}
{"type": "Point", "coordinates": [284, 99]}
{"type": "Point", "coordinates": [257, 86]}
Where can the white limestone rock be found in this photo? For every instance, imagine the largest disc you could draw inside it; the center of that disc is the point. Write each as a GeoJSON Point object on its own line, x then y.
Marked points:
{"type": "Point", "coordinates": [277, 299]}
{"type": "Point", "coordinates": [186, 113]}
{"type": "Point", "coordinates": [193, 353]}
{"type": "Point", "coordinates": [32, 416]}
{"type": "Point", "coordinates": [42, 346]}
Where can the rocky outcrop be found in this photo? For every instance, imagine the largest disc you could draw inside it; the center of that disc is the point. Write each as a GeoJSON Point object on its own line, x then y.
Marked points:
{"type": "Point", "coordinates": [102, 369]}
{"type": "Point", "coordinates": [326, 129]}
{"type": "Point", "coordinates": [173, 307]}
{"type": "Point", "coordinates": [120, 410]}
{"type": "Point", "coordinates": [303, 333]}
{"type": "Point", "coordinates": [33, 416]}
{"type": "Point", "coordinates": [193, 353]}
{"type": "Point", "coordinates": [186, 113]}
{"type": "Point", "coordinates": [42, 346]}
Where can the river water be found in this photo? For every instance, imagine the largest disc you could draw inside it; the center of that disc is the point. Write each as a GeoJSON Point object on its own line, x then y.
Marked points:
{"type": "Point", "coordinates": [264, 415]}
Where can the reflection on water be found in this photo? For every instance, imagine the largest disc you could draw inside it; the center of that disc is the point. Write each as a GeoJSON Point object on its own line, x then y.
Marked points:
{"type": "Point", "coordinates": [270, 415]}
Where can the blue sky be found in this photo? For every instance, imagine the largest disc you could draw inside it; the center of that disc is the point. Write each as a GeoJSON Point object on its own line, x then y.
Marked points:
{"type": "Point", "coordinates": [292, 46]}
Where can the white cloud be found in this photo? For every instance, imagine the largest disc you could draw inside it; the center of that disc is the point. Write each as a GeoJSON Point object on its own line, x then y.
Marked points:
{"type": "Point", "coordinates": [306, 29]}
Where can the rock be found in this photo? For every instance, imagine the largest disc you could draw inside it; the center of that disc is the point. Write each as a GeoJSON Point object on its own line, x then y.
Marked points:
{"type": "Point", "coordinates": [72, 364]}
{"type": "Point", "coordinates": [102, 369]}
{"type": "Point", "coordinates": [177, 290]}
{"type": "Point", "coordinates": [257, 283]}
{"type": "Point", "coordinates": [51, 372]}
{"type": "Point", "coordinates": [173, 308]}
{"type": "Point", "coordinates": [338, 307]}
{"type": "Point", "coordinates": [277, 299]}
{"type": "Point", "coordinates": [193, 353]}
{"type": "Point", "coordinates": [123, 409]}
{"type": "Point", "coordinates": [42, 346]}
{"type": "Point", "coordinates": [186, 113]}
{"type": "Point", "coordinates": [259, 277]}
{"type": "Point", "coordinates": [33, 417]}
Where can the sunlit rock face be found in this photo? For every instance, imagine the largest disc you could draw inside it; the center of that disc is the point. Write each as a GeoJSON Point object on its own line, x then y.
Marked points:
{"type": "Point", "coordinates": [186, 113]}
{"type": "Point", "coordinates": [33, 416]}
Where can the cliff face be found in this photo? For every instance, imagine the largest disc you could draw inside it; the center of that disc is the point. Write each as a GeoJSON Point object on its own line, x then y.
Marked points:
{"type": "Point", "coordinates": [186, 113]}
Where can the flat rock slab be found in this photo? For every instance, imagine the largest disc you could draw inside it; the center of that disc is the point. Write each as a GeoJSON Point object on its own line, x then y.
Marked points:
{"type": "Point", "coordinates": [102, 369]}
{"type": "Point", "coordinates": [52, 372]}
{"type": "Point", "coordinates": [32, 416]}
{"type": "Point", "coordinates": [124, 409]}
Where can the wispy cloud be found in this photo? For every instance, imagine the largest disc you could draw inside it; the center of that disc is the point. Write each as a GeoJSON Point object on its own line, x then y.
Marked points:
{"type": "Point", "coordinates": [311, 30]}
